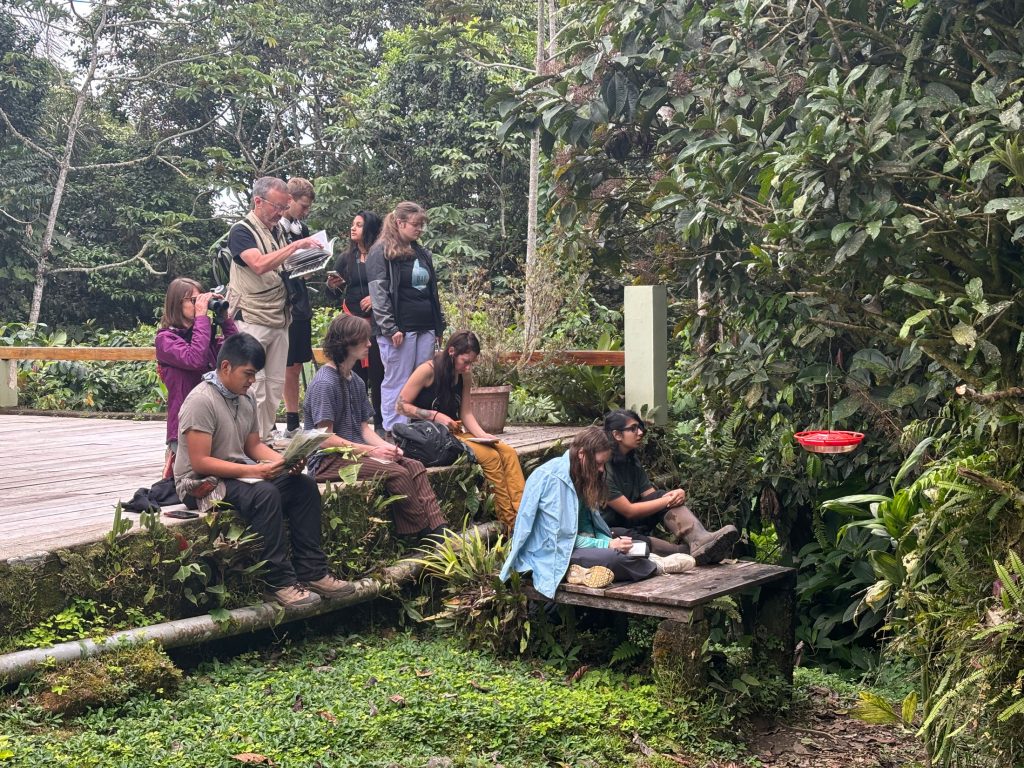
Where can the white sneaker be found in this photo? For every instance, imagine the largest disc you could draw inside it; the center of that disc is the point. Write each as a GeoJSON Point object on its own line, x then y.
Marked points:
{"type": "Point", "coordinates": [680, 562]}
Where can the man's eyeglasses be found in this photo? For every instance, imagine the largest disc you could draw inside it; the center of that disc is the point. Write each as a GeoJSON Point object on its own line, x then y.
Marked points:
{"type": "Point", "coordinates": [276, 206]}
{"type": "Point", "coordinates": [634, 428]}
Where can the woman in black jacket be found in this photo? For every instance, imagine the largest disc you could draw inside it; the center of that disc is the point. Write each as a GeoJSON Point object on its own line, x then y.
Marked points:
{"type": "Point", "coordinates": [350, 272]}
{"type": "Point", "coordinates": [407, 317]}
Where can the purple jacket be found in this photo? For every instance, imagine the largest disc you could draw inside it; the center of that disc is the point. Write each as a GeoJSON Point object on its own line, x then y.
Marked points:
{"type": "Point", "coordinates": [183, 355]}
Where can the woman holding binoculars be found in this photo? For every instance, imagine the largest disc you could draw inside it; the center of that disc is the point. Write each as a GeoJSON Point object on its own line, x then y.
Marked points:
{"type": "Point", "coordinates": [187, 347]}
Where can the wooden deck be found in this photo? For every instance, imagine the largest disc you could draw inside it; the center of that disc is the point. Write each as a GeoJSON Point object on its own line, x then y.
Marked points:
{"type": "Point", "coordinates": [671, 596]}
{"type": "Point", "coordinates": [61, 477]}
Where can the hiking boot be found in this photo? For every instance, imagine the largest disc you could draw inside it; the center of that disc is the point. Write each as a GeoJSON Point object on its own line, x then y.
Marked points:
{"type": "Point", "coordinates": [677, 562]}
{"type": "Point", "coordinates": [293, 596]}
{"type": "Point", "coordinates": [714, 546]}
{"type": "Point", "coordinates": [707, 547]}
{"type": "Point", "coordinates": [331, 587]}
{"type": "Point", "coordinates": [595, 577]}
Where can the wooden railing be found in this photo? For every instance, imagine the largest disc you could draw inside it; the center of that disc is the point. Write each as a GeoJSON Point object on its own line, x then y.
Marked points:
{"type": "Point", "coordinates": [108, 354]}
{"type": "Point", "coordinates": [9, 382]}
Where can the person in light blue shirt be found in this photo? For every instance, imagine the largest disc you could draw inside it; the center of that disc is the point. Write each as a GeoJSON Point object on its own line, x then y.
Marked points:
{"type": "Point", "coordinates": [558, 531]}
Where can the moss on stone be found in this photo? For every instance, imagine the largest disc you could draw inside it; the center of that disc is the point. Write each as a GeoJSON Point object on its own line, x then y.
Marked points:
{"type": "Point", "coordinates": [108, 680]}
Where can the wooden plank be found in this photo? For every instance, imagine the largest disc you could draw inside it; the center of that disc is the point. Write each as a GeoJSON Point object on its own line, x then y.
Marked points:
{"type": "Point", "coordinates": [596, 598]}
{"type": "Point", "coordinates": [595, 357]}
{"type": "Point", "coordinates": [78, 353]}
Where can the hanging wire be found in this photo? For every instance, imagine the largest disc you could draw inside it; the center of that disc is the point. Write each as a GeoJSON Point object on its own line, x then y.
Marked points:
{"type": "Point", "coordinates": [828, 385]}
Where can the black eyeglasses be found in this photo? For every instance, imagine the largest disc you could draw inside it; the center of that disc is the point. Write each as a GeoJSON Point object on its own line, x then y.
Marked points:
{"type": "Point", "coordinates": [634, 428]}
{"type": "Point", "coordinates": [191, 299]}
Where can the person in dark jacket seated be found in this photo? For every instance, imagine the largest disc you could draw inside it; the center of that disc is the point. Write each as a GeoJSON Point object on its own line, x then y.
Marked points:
{"type": "Point", "coordinates": [635, 506]}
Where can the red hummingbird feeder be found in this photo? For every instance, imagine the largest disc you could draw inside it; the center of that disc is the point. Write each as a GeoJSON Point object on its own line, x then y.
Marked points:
{"type": "Point", "coordinates": [829, 440]}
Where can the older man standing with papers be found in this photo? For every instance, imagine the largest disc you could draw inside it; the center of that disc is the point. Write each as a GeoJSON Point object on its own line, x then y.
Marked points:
{"type": "Point", "coordinates": [257, 294]}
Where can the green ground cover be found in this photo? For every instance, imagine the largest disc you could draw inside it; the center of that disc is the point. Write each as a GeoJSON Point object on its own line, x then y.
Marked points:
{"type": "Point", "coordinates": [368, 701]}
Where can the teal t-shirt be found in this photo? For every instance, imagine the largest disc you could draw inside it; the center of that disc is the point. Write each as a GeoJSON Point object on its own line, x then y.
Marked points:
{"type": "Point", "coordinates": [587, 534]}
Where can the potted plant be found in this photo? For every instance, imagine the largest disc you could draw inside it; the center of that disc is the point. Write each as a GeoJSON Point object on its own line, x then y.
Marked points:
{"type": "Point", "coordinates": [493, 320]}
{"type": "Point", "coordinates": [492, 384]}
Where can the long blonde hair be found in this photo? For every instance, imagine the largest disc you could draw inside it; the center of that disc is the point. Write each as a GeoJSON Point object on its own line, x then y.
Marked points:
{"type": "Point", "coordinates": [585, 474]}
{"type": "Point", "coordinates": [179, 290]}
{"type": "Point", "coordinates": [394, 246]}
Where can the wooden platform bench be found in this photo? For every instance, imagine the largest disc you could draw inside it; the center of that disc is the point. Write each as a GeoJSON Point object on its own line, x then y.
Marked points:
{"type": "Point", "coordinates": [679, 600]}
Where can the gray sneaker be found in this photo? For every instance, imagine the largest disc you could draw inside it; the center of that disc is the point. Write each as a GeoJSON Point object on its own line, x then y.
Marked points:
{"type": "Point", "coordinates": [294, 596]}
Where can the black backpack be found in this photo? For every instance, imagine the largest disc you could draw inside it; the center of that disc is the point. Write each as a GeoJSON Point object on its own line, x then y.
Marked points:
{"type": "Point", "coordinates": [220, 260]}
{"type": "Point", "coordinates": [429, 443]}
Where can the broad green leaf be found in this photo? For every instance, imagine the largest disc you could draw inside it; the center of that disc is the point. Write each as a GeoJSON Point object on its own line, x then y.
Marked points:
{"type": "Point", "coordinates": [874, 361]}
{"type": "Point", "coordinates": [872, 708]}
{"type": "Point", "coordinates": [918, 290]}
{"type": "Point", "coordinates": [1014, 207]}
{"type": "Point", "coordinates": [877, 594]}
{"type": "Point", "coordinates": [965, 335]}
{"type": "Point", "coordinates": [912, 459]}
{"type": "Point", "coordinates": [852, 245]}
{"type": "Point", "coordinates": [839, 231]}
{"type": "Point", "coordinates": [915, 319]}
{"type": "Point", "coordinates": [753, 396]}
{"type": "Point", "coordinates": [667, 201]}
{"type": "Point", "coordinates": [904, 396]}
{"type": "Point", "coordinates": [220, 615]}
{"type": "Point", "coordinates": [984, 96]}
{"type": "Point", "coordinates": [845, 408]}
{"type": "Point", "coordinates": [975, 290]}
{"type": "Point", "coordinates": [859, 498]}
{"type": "Point", "coordinates": [887, 566]}
{"type": "Point", "coordinates": [980, 168]}
{"type": "Point", "coordinates": [909, 708]}
{"type": "Point", "coordinates": [798, 205]}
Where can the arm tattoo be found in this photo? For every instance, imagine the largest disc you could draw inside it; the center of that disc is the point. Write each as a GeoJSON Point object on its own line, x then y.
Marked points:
{"type": "Point", "coordinates": [411, 410]}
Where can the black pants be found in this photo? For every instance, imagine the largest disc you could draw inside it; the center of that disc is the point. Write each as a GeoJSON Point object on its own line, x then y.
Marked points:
{"type": "Point", "coordinates": [372, 377]}
{"type": "Point", "coordinates": [264, 506]}
{"type": "Point", "coordinates": [625, 568]}
{"type": "Point", "coordinates": [658, 546]}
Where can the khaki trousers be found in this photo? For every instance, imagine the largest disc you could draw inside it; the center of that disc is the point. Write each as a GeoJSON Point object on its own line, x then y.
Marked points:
{"type": "Point", "coordinates": [269, 386]}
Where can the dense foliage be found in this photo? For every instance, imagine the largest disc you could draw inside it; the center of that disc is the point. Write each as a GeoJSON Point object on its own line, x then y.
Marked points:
{"type": "Point", "coordinates": [130, 134]}
{"type": "Point", "coordinates": [833, 190]}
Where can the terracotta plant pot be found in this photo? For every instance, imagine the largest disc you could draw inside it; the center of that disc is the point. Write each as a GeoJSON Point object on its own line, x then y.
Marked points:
{"type": "Point", "coordinates": [490, 406]}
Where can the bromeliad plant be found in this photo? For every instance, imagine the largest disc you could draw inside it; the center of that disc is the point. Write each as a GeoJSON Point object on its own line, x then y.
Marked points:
{"type": "Point", "coordinates": [482, 609]}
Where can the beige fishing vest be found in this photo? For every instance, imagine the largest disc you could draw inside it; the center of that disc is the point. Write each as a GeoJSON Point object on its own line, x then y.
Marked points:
{"type": "Point", "coordinates": [262, 299]}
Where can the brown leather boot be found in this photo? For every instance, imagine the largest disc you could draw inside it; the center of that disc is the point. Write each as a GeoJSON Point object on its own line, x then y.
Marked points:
{"type": "Point", "coordinates": [706, 547]}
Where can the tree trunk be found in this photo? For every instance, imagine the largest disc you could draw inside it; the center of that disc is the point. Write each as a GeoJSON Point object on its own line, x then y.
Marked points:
{"type": "Point", "coordinates": [530, 329]}
{"type": "Point", "coordinates": [63, 168]}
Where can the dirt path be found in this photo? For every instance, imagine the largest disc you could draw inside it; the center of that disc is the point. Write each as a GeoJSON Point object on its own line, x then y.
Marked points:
{"type": "Point", "coordinates": [821, 735]}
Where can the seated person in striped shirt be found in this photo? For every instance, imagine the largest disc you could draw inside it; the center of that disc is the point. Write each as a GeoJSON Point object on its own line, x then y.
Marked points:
{"type": "Point", "coordinates": [336, 401]}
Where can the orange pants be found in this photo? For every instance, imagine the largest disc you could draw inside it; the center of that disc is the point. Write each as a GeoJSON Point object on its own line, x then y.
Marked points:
{"type": "Point", "coordinates": [500, 464]}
